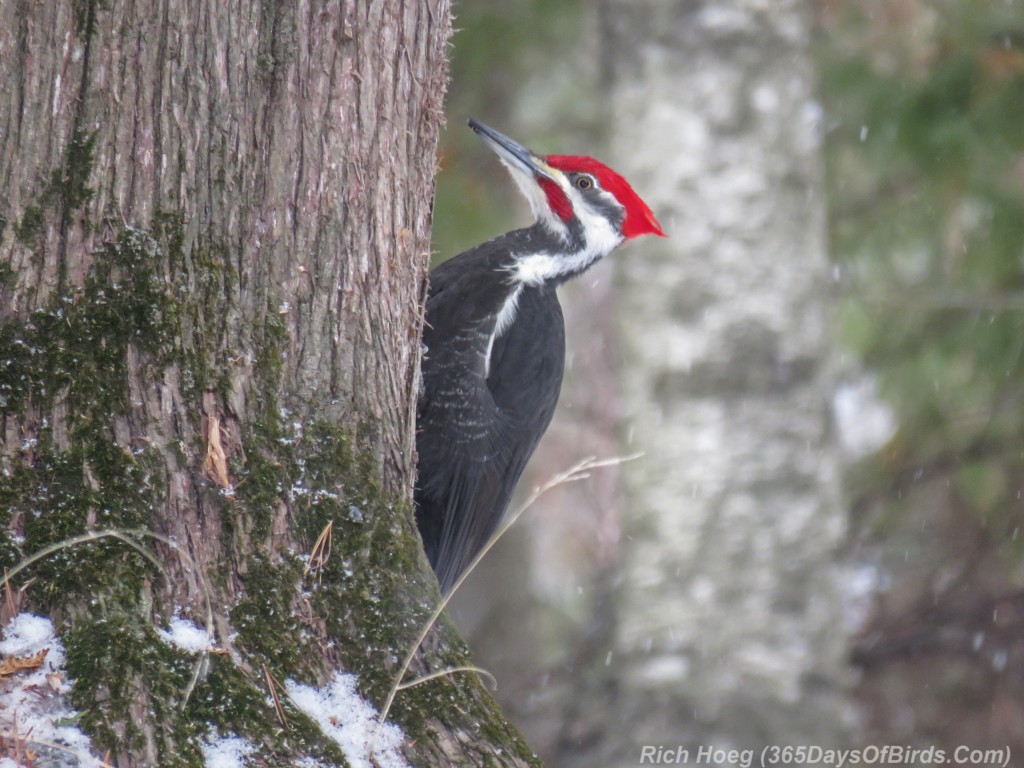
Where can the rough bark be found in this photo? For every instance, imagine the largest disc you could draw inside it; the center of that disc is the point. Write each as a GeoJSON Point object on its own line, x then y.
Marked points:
{"type": "Point", "coordinates": [731, 620]}
{"type": "Point", "coordinates": [213, 248]}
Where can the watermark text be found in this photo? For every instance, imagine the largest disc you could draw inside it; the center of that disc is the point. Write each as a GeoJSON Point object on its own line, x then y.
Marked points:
{"type": "Point", "coordinates": [871, 755]}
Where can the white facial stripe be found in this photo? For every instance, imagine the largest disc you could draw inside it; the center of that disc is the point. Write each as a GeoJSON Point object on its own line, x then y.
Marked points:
{"type": "Point", "coordinates": [506, 315]}
{"type": "Point", "coordinates": [535, 196]}
{"type": "Point", "coordinates": [600, 237]}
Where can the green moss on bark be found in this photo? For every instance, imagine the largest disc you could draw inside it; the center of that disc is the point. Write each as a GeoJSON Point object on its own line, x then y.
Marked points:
{"type": "Point", "coordinates": [75, 352]}
{"type": "Point", "coordinates": [70, 182]}
{"type": "Point", "coordinates": [28, 228]}
{"type": "Point", "coordinates": [358, 612]}
{"type": "Point", "coordinates": [362, 597]}
{"type": "Point", "coordinates": [206, 284]}
{"type": "Point", "coordinates": [66, 366]}
{"type": "Point", "coordinates": [110, 654]}
{"type": "Point", "coordinates": [77, 347]}
{"type": "Point", "coordinates": [85, 16]}
{"type": "Point", "coordinates": [63, 498]}
{"type": "Point", "coordinates": [268, 626]}
{"type": "Point", "coordinates": [230, 702]}
{"type": "Point", "coordinates": [67, 190]}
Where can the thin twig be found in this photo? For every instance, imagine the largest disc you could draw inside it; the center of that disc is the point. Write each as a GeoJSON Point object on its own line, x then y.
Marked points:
{"type": "Point", "coordinates": [579, 471]}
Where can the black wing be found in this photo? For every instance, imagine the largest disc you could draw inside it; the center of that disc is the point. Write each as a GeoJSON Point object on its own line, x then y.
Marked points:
{"type": "Point", "coordinates": [475, 432]}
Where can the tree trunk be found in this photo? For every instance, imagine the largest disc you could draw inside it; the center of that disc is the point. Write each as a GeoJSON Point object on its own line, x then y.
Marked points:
{"type": "Point", "coordinates": [213, 249]}
{"type": "Point", "coordinates": [731, 607]}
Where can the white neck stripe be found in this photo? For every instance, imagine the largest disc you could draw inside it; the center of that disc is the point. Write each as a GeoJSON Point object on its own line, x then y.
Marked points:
{"type": "Point", "coordinates": [506, 315]}
{"type": "Point", "coordinates": [538, 268]}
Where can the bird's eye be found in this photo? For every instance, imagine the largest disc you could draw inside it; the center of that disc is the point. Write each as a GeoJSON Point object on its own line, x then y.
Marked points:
{"type": "Point", "coordinates": [584, 182]}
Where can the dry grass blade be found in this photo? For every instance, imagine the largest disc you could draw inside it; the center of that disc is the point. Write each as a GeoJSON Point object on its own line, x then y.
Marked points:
{"type": "Point", "coordinates": [14, 745]}
{"type": "Point", "coordinates": [579, 471]}
{"type": "Point", "coordinates": [321, 552]}
{"type": "Point", "coordinates": [9, 596]}
{"type": "Point", "coordinates": [12, 599]}
{"type": "Point", "coordinates": [272, 686]}
{"type": "Point", "coordinates": [450, 671]}
{"type": "Point", "coordinates": [89, 536]}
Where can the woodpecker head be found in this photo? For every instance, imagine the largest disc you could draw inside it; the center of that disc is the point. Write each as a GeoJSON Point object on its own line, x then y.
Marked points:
{"type": "Point", "coordinates": [586, 205]}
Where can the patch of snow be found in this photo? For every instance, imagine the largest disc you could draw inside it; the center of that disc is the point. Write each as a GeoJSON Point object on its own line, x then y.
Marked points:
{"type": "Point", "coordinates": [864, 421]}
{"type": "Point", "coordinates": [187, 636]}
{"type": "Point", "coordinates": [34, 701]}
{"type": "Point", "coordinates": [27, 633]}
{"type": "Point", "coordinates": [862, 585]}
{"type": "Point", "coordinates": [226, 752]}
{"type": "Point", "coordinates": [344, 716]}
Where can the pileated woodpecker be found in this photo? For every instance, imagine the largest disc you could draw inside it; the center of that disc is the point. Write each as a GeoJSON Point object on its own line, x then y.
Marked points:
{"type": "Point", "coordinates": [495, 344]}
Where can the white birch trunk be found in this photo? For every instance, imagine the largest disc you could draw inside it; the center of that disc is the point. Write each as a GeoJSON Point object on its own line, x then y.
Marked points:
{"type": "Point", "coordinates": [731, 619]}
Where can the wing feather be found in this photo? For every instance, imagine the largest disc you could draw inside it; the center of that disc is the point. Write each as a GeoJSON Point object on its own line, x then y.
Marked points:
{"type": "Point", "coordinates": [477, 427]}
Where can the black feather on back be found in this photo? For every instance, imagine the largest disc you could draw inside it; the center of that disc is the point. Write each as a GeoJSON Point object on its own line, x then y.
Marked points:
{"type": "Point", "coordinates": [475, 434]}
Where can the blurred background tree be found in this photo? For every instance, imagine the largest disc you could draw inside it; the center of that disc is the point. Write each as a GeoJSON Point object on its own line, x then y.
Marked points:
{"type": "Point", "coordinates": [922, 113]}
